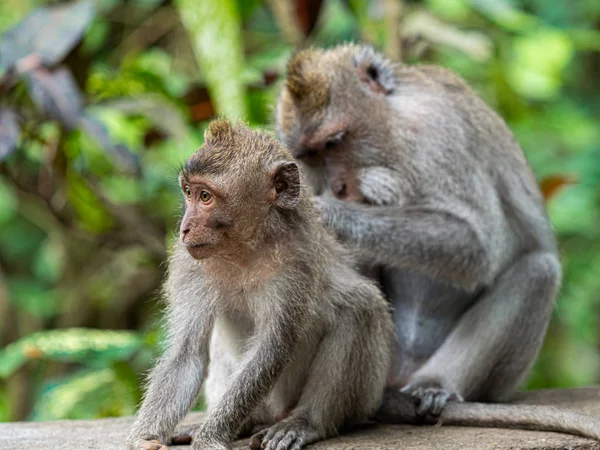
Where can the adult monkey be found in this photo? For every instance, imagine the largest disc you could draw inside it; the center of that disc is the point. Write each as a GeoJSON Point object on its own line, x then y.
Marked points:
{"type": "Point", "coordinates": [429, 185]}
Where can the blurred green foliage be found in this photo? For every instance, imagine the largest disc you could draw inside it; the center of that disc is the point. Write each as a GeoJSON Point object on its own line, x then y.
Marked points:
{"type": "Point", "coordinates": [101, 101]}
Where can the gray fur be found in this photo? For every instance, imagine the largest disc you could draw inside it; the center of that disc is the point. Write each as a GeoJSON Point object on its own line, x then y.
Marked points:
{"type": "Point", "coordinates": [288, 325]}
{"type": "Point", "coordinates": [449, 219]}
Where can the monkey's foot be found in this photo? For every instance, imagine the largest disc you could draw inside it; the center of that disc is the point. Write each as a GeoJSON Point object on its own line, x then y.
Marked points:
{"type": "Point", "coordinates": [290, 434]}
{"type": "Point", "coordinates": [430, 400]}
{"type": "Point", "coordinates": [150, 445]}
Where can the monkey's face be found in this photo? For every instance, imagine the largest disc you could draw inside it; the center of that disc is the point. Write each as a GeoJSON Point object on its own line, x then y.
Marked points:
{"type": "Point", "coordinates": [332, 113]}
{"type": "Point", "coordinates": [206, 219]}
{"type": "Point", "coordinates": [237, 187]}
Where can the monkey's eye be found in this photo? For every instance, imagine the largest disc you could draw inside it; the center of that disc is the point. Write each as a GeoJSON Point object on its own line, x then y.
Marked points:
{"type": "Point", "coordinates": [205, 196]}
{"type": "Point", "coordinates": [307, 154]}
{"type": "Point", "coordinates": [187, 190]}
{"type": "Point", "coordinates": [334, 140]}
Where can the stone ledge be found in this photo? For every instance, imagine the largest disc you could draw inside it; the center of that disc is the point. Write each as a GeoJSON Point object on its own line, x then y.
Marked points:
{"type": "Point", "coordinates": [109, 434]}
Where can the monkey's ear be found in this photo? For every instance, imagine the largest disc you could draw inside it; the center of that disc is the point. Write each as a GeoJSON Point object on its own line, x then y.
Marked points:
{"type": "Point", "coordinates": [375, 71]}
{"type": "Point", "coordinates": [286, 184]}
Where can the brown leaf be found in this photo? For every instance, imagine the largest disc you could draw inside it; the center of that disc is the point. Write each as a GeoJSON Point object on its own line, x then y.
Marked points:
{"type": "Point", "coordinates": [200, 106]}
{"type": "Point", "coordinates": [553, 184]}
{"type": "Point", "coordinates": [307, 13]}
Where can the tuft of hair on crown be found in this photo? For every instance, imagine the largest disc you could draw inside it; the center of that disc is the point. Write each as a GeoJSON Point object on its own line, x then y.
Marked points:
{"type": "Point", "coordinates": [305, 82]}
{"type": "Point", "coordinates": [220, 130]}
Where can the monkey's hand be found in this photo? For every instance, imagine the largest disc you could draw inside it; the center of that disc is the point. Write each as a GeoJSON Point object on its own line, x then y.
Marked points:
{"type": "Point", "coordinates": [327, 209]}
{"type": "Point", "coordinates": [148, 445]}
{"type": "Point", "coordinates": [430, 397]}
{"type": "Point", "coordinates": [289, 434]}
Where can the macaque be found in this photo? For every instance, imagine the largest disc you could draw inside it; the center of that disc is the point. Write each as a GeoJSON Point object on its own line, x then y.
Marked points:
{"type": "Point", "coordinates": [264, 304]}
{"type": "Point", "coordinates": [428, 186]}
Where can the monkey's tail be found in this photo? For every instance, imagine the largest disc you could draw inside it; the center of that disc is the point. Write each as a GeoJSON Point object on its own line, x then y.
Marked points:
{"type": "Point", "coordinates": [398, 408]}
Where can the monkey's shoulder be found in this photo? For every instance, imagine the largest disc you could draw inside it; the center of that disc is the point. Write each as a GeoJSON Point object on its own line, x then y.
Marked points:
{"type": "Point", "coordinates": [433, 75]}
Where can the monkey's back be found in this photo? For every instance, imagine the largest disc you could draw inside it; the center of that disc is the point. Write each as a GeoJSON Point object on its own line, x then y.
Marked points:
{"type": "Point", "coordinates": [476, 140]}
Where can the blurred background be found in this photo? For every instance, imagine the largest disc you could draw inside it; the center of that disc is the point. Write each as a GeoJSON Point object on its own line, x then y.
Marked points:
{"type": "Point", "coordinates": [100, 101]}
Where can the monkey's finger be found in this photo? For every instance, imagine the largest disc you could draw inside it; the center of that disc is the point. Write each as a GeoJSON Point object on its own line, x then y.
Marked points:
{"type": "Point", "coordinates": [271, 440]}
{"type": "Point", "coordinates": [269, 435]}
{"type": "Point", "coordinates": [286, 440]}
{"type": "Point", "coordinates": [256, 440]}
{"type": "Point", "coordinates": [418, 396]}
{"type": "Point", "coordinates": [300, 442]}
{"type": "Point", "coordinates": [425, 406]}
{"type": "Point", "coordinates": [439, 403]}
{"type": "Point", "coordinates": [454, 397]}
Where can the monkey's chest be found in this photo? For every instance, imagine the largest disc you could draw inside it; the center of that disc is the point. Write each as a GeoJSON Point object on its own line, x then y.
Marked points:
{"type": "Point", "coordinates": [425, 310]}
{"type": "Point", "coordinates": [231, 340]}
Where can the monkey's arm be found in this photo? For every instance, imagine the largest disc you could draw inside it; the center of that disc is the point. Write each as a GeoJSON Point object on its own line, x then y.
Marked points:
{"type": "Point", "coordinates": [271, 352]}
{"type": "Point", "coordinates": [175, 382]}
{"type": "Point", "coordinates": [427, 238]}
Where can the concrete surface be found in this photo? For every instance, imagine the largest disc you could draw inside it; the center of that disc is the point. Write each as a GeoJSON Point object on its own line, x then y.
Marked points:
{"type": "Point", "coordinates": [109, 434]}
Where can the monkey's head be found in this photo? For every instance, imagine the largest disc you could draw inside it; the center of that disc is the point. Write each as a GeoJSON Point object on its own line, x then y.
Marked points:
{"type": "Point", "coordinates": [240, 187]}
{"type": "Point", "coordinates": [333, 106]}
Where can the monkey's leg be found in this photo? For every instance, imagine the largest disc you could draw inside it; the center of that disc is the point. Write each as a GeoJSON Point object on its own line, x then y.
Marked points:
{"type": "Point", "coordinates": [261, 367]}
{"type": "Point", "coordinates": [174, 386]}
{"type": "Point", "coordinates": [174, 383]}
{"type": "Point", "coordinates": [344, 387]}
{"type": "Point", "coordinates": [493, 346]}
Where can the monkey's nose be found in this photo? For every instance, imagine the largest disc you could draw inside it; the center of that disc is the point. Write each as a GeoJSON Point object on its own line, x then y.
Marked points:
{"type": "Point", "coordinates": [341, 192]}
{"type": "Point", "coordinates": [184, 232]}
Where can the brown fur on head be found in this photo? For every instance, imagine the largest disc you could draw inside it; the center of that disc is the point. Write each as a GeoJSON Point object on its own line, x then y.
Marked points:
{"type": "Point", "coordinates": [305, 83]}
{"type": "Point", "coordinates": [240, 186]}
{"type": "Point", "coordinates": [328, 92]}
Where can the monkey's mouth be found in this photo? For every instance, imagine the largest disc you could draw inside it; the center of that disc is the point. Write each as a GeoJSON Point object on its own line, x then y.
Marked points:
{"type": "Point", "coordinates": [198, 245]}
{"type": "Point", "coordinates": [199, 250]}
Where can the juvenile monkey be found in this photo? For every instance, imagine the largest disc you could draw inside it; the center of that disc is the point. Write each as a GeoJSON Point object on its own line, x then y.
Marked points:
{"type": "Point", "coordinates": [297, 339]}
{"type": "Point", "coordinates": [428, 184]}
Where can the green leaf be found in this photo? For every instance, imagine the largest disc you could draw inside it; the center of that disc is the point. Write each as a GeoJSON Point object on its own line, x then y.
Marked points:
{"type": "Point", "coordinates": [573, 210]}
{"type": "Point", "coordinates": [8, 200]}
{"type": "Point", "coordinates": [215, 31]}
{"type": "Point", "coordinates": [79, 396]}
{"type": "Point", "coordinates": [50, 33]}
{"type": "Point", "coordinates": [539, 59]}
{"type": "Point", "coordinates": [90, 210]}
{"type": "Point", "coordinates": [71, 345]}
{"type": "Point", "coordinates": [161, 113]}
{"type": "Point", "coordinates": [454, 10]}
{"type": "Point", "coordinates": [504, 14]}
{"type": "Point", "coordinates": [5, 405]}
{"type": "Point", "coordinates": [19, 240]}
{"type": "Point", "coordinates": [50, 260]}
{"type": "Point", "coordinates": [32, 297]}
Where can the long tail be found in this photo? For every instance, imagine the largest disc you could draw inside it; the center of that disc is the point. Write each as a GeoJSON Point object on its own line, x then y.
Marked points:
{"type": "Point", "coordinates": [398, 407]}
